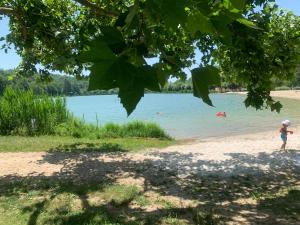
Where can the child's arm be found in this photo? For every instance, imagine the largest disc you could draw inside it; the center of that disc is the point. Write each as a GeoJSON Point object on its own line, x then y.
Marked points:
{"type": "Point", "coordinates": [289, 131]}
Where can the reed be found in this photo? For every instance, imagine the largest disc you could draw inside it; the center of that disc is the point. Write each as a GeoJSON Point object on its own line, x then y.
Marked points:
{"type": "Point", "coordinates": [23, 113]}
{"type": "Point", "coordinates": [79, 129]}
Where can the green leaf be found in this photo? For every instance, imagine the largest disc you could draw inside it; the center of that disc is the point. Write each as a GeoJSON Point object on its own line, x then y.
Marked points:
{"type": "Point", "coordinates": [221, 23]}
{"type": "Point", "coordinates": [130, 83]}
{"type": "Point", "coordinates": [163, 77]}
{"type": "Point", "coordinates": [131, 96]}
{"type": "Point", "coordinates": [120, 22]}
{"type": "Point", "coordinates": [132, 12]}
{"type": "Point", "coordinates": [171, 11]}
{"type": "Point", "coordinates": [101, 76]}
{"type": "Point", "coordinates": [238, 4]}
{"type": "Point", "coordinates": [98, 50]}
{"type": "Point", "coordinates": [277, 106]}
{"type": "Point", "coordinates": [130, 80]}
{"type": "Point", "coordinates": [202, 78]}
{"type": "Point", "coordinates": [150, 78]}
{"type": "Point", "coordinates": [248, 23]}
{"type": "Point", "coordinates": [113, 38]}
{"type": "Point", "coordinates": [199, 22]}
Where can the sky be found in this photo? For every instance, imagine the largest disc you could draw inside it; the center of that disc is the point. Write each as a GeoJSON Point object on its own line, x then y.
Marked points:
{"type": "Point", "coordinates": [11, 59]}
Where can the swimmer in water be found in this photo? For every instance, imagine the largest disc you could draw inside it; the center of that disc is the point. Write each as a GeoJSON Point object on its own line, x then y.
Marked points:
{"type": "Point", "coordinates": [221, 114]}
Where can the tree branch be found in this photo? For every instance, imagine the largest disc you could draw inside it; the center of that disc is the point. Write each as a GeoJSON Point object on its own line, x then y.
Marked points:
{"type": "Point", "coordinates": [7, 11]}
{"type": "Point", "coordinates": [100, 11]}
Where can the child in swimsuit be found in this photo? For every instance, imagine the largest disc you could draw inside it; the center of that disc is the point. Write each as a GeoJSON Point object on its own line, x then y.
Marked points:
{"type": "Point", "coordinates": [284, 132]}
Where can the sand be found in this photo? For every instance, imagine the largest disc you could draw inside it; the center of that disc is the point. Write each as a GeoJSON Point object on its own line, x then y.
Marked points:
{"type": "Point", "coordinates": [292, 94]}
{"type": "Point", "coordinates": [219, 172]}
{"type": "Point", "coordinates": [226, 156]}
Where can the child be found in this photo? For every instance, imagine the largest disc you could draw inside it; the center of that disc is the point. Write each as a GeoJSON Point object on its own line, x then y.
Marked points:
{"type": "Point", "coordinates": [284, 132]}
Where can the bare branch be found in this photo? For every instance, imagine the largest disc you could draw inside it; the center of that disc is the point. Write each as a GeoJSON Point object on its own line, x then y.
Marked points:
{"type": "Point", "coordinates": [7, 11]}
{"type": "Point", "coordinates": [100, 11]}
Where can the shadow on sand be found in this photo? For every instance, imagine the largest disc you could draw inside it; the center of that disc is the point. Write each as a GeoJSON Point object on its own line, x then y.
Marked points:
{"type": "Point", "coordinates": [235, 189]}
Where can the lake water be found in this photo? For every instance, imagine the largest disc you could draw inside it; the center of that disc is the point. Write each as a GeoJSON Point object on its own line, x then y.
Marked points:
{"type": "Point", "coordinates": [184, 116]}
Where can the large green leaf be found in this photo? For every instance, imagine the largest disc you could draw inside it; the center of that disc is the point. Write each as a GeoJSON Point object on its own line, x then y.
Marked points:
{"type": "Point", "coordinates": [199, 22]}
{"type": "Point", "coordinates": [171, 11]}
{"type": "Point", "coordinates": [248, 23]}
{"type": "Point", "coordinates": [150, 78]}
{"type": "Point", "coordinates": [202, 79]}
{"type": "Point", "coordinates": [101, 76]}
{"type": "Point", "coordinates": [102, 59]}
{"type": "Point", "coordinates": [238, 4]}
{"type": "Point", "coordinates": [113, 38]}
{"type": "Point", "coordinates": [130, 80]}
{"type": "Point", "coordinates": [97, 51]}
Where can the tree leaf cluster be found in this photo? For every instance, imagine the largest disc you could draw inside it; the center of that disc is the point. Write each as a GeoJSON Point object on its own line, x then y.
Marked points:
{"type": "Point", "coordinates": [114, 41]}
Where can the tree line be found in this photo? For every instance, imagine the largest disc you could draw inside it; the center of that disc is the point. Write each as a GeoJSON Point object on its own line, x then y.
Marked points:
{"type": "Point", "coordinates": [60, 85]}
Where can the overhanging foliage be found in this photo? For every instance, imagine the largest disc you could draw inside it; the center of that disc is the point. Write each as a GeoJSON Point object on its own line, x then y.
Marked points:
{"type": "Point", "coordinates": [113, 39]}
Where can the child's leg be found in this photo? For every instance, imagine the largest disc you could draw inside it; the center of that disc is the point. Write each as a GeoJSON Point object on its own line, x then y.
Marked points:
{"type": "Point", "coordinates": [283, 145]}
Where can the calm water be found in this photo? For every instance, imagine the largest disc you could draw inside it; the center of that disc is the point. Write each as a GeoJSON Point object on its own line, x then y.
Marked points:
{"type": "Point", "coordinates": [185, 116]}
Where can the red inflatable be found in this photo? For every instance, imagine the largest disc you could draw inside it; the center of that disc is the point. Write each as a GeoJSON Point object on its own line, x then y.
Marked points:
{"type": "Point", "coordinates": [221, 114]}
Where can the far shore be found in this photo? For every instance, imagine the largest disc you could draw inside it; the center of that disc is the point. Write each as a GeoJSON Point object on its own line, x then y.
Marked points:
{"type": "Point", "coordinates": [292, 94]}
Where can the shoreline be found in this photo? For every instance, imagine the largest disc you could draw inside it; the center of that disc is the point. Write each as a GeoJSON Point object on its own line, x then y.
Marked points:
{"type": "Point", "coordinates": [271, 136]}
{"type": "Point", "coordinates": [290, 94]}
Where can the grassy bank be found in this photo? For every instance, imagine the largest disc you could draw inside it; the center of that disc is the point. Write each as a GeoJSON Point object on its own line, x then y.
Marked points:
{"type": "Point", "coordinates": [71, 144]}
{"type": "Point", "coordinates": [25, 114]}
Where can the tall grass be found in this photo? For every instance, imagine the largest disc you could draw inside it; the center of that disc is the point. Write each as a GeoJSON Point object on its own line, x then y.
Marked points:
{"type": "Point", "coordinates": [79, 129]}
{"type": "Point", "coordinates": [26, 114]}
{"type": "Point", "coordinates": [23, 113]}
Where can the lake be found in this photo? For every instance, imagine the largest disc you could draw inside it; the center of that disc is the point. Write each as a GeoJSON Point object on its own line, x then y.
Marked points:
{"type": "Point", "coordinates": [184, 116]}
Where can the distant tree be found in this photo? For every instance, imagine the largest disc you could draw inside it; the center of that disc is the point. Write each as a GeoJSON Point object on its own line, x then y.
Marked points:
{"type": "Point", "coordinates": [67, 87]}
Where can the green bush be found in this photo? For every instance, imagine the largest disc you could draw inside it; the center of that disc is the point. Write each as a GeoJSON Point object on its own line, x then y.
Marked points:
{"type": "Point", "coordinates": [23, 113]}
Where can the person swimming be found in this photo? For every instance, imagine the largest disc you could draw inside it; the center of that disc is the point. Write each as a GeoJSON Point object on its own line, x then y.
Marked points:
{"type": "Point", "coordinates": [221, 114]}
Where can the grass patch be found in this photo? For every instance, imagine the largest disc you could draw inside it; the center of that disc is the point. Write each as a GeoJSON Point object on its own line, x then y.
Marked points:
{"type": "Point", "coordinates": [51, 202]}
{"type": "Point", "coordinates": [165, 203]}
{"type": "Point", "coordinates": [142, 201]}
{"type": "Point", "coordinates": [71, 144]}
{"type": "Point", "coordinates": [79, 129]}
{"type": "Point", "coordinates": [119, 195]}
{"type": "Point", "coordinates": [172, 220]}
{"type": "Point", "coordinates": [286, 203]}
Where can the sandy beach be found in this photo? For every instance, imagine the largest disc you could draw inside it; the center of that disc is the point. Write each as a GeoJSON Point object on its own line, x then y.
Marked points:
{"type": "Point", "coordinates": [292, 94]}
{"type": "Point", "coordinates": [224, 171]}
{"type": "Point", "coordinates": [187, 158]}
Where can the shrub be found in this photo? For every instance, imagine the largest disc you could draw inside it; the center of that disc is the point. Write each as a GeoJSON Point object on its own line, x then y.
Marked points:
{"type": "Point", "coordinates": [23, 113]}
